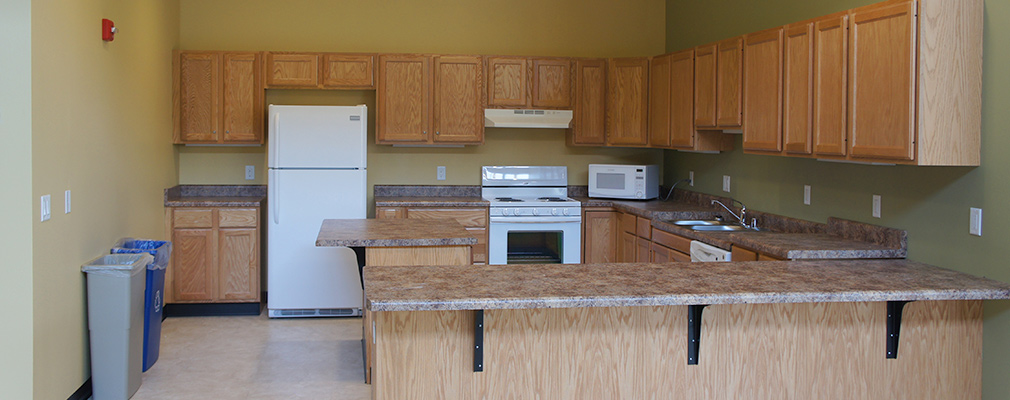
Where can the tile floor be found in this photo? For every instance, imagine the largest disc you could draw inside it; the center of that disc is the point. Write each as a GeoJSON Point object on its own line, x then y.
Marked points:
{"type": "Point", "coordinates": [224, 358]}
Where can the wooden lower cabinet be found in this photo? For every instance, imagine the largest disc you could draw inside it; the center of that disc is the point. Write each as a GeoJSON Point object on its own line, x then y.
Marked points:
{"type": "Point", "coordinates": [216, 255]}
{"type": "Point", "coordinates": [745, 254]}
{"type": "Point", "coordinates": [663, 254]}
{"type": "Point", "coordinates": [599, 234]}
{"type": "Point", "coordinates": [474, 219]}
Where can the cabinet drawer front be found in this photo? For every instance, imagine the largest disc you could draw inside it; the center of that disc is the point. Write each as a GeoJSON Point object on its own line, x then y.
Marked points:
{"type": "Point", "coordinates": [643, 228]}
{"type": "Point", "coordinates": [628, 223]}
{"type": "Point", "coordinates": [388, 212]}
{"type": "Point", "coordinates": [479, 250]}
{"type": "Point", "coordinates": [237, 218]}
{"type": "Point", "coordinates": [202, 218]}
{"type": "Point", "coordinates": [468, 217]}
{"type": "Point", "coordinates": [679, 243]}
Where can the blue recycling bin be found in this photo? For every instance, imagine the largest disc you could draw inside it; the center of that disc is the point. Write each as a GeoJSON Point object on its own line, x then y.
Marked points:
{"type": "Point", "coordinates": [153, 292]}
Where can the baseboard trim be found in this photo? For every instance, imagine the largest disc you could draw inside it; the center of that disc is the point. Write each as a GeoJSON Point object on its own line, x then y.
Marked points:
{"type": "Point", "coordinates": [83, 392]}
{"type": "Point", "coordinates": [212, 309]}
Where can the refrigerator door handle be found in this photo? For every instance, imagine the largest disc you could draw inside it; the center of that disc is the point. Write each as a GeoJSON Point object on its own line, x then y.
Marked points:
{"type": "Point", "coordinates": [276, 197]}
{"type": "Point", "coordinates": [276, 145]}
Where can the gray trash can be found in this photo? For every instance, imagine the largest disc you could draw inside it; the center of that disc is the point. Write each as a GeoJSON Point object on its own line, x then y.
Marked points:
{"type": "Point", "coordinates": [116, 323]}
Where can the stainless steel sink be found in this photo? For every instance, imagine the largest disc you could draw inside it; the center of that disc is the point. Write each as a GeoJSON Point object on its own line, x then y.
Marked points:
{"type": "Point", "coordinates": [697, 222]}
{"type": "Point", "coordinates": [722, 228]}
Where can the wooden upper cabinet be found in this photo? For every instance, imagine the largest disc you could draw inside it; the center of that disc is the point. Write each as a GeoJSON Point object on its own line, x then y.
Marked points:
{"type": "Point", "coordinates": [762, 112]}
{"type": "Point", "coordinates": [198, 97]}
{"type": "Point", "coordinates": [589, 122]}
{"type": "Point", "coordinates": [831, 43]}
{"type": "Point", "coordinates": [458, 91]}
{"type": "Point", "coordinates": [403, 99]}
{"type": "Point", "coordinates": [628, 102]}
{"type": "Point", "coordinates": [348, 71]}
{"type": "Point", "coordinates": [704, 86]}
{"type": "Point", "coordinates": [218, 98]}
{"type": "Point", "coordinates": [292, 69]}
{"type": "Point", "coordinates": [659, 101]}
{"type": "Point", "coordinates": [882, 59]}
{"type": "Point", "coordinates": [507, 82]}
{"type": "Point", "coordinates": [243, 99]}
{"type": "Point", "coordinates": [729, 77]}
{"type": "Point", "coordinates": [798, 87]}
{"type": "Point", "coordinates": [552, 83]}
{"type": "Point", "coordinates": [681, 112]}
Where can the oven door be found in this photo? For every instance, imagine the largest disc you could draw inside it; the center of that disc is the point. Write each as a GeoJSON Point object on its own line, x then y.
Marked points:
{"type": "Point", "coordinates": [531, 240]}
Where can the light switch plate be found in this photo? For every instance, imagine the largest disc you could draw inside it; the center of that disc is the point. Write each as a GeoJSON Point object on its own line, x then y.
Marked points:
{"type": "Point", "coordinates": [725, 183]}
{"type": "Point", "coordinates": [876, 206]}
{"type": "Point", "coordinates": [690, 177]}
{"type": "Point", "coordinates": [250, 172]}
{"type": "Point", "coordinates": [975, 222]}
{"type": "Point", "coordinates": [46, 209]}
{"type": "Point", "coordinates": [440, 172]}
{"type": "Point", "coordinates": [806, 194]}
{"type": "Point", "coordinates": [66, 202]}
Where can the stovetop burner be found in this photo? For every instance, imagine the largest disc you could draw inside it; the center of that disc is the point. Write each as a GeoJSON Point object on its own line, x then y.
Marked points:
{"type": "Point", "coordinates": [508, 200]}
{"type": "Point", "coordinates": [551, 199]}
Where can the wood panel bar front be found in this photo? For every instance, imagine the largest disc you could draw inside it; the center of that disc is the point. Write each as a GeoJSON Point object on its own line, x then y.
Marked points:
{"type": "Point", "coordinates": [755, 351]}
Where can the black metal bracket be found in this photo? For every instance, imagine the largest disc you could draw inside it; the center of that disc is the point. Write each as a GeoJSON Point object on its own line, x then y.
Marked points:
{"type": "Point", "coordinates": [478, 341]}
{"type": "Point", "coordinates": [694, 332]}
{"type": "Point", "coordinates": [894, 310]}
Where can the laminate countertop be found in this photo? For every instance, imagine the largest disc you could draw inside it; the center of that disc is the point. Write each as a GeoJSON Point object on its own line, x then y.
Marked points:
{"type": "Point", "coordinates": [393, 233]}
{"type": "Point", "coordinates": [216, 196]}
{"type": "Point", "coordinates": [471, 287]}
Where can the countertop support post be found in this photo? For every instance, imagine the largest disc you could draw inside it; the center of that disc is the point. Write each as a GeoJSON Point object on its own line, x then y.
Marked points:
{"type": "Point", "coordinates": [478, 341]}
{"type": "Point", "coordinates": [894, 310]}
{"type": "Point", "coordinates": [694, 332]}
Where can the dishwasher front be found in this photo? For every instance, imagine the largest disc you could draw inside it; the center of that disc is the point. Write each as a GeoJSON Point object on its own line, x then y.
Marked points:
{"type": "Point", "coordinates": [702, 252]}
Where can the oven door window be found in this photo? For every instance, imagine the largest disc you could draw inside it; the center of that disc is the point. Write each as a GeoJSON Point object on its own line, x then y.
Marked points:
{"type": "Point", "coordinates": [535, 247]}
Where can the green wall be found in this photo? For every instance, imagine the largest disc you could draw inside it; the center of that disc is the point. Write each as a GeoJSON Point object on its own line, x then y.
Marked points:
{"type": "Point", "coordinates": [931, 203]}
{"type": "Point", "coordinates": [16, 202]}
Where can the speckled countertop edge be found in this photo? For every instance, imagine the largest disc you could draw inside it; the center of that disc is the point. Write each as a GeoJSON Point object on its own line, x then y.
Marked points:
{"type": "Point", "coordinates": [619, 285]}
{"type": "Point", "coordinates": [392, 233]}
{"type": "Point", "coordinates": [215, 196]}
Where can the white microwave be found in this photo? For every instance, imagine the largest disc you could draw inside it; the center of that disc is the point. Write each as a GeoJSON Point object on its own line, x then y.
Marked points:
{"type": "Point", "coordinates": [638, 182]}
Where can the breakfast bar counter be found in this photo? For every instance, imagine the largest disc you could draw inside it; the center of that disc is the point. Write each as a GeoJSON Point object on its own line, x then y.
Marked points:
{"type": "Point", "coordinates": [776, 329]}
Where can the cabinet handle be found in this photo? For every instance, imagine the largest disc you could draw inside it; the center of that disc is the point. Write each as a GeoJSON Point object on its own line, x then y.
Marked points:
{"type": "Point", "coordinates": [214, 132]}
{"type": "Point", "coordinates": [438, 133]}
{"type": "Point", "coordinates": [425, 132]}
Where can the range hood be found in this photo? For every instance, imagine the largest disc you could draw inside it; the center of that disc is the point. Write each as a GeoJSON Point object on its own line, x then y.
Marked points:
{"type": "Point", "coordinates": [498, 118]}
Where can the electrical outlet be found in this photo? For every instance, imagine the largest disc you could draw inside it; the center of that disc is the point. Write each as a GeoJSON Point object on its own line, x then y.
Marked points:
{"type": "Point", "coordinates": [876, 206]}
{"type": "Point", "coordinates": [250, 172]}
{"type": "Point", "coordinates": [690, 177]}
{"type": "Point", "coordinates": [440, 171]}
{"type": "Point", "coordinates": [806, 194]}
{"type": "Point", "coordinates": [66, 202]}
{"type": "Point", "coordinates": [975, 222]}
{"type": "Point", "coordinates": [725, 183]}
{"type": "Point", "coordinates": [46, 210]}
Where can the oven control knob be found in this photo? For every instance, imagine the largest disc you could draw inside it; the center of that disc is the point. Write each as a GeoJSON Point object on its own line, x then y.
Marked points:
{"type": "Point", "coordinates": [504, 211]}
{"type": "Point", "coordinates": [554, 211]}
{"type": "Point", "coordinates": [536, 211]}
{"type": "Point", "coordinates": [565, 211]}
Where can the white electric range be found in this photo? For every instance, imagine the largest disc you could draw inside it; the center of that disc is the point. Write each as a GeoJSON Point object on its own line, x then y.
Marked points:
{"type": "Point", "coordinates": [532, 218]}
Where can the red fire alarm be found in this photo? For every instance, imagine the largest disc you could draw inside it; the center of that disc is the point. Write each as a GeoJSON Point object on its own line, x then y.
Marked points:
{"type": "Point", "coordinates": [108, 30]}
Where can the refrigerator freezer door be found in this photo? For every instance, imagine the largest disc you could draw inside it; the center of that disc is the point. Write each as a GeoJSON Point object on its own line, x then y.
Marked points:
{"type": "Point", "coordinates": [299, 274]}
{"type": "Point", "coordinates": [317, 137]}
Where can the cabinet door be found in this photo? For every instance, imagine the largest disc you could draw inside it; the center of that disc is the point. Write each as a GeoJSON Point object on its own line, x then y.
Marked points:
{"type": "Point", "coordinates": [797, 86]}
{"type": "Point", "coordinates": [238, 266]}
{"type": "Point", "coordinates": [882, 56]}
{"type": "Point", "coordinates": [742, 254]}
{"type": "Point", "coordinates": [830, 85]}
{"type": "Point", "coordinates": [552, 83]}
{"type": "Point", "coordinates": [660, 254]}
{"type": "Point", "coordinates": [458, 112]}
{"type": "Point", "coordinates": [659, 101]}
{"type": "Point", "coordinates": [403, 99]}
{"type": "Point", "coordinates": [626, 248]}
{"type": "Point", "coordinates": [643, 250]}
{"type": "Point", "coordinates": [507, 82]}
{"type": "Point", "coordinates": [590, 118]}
{"type": "Point", "coordinates": [292, 70]}
{"type": "Point", "coordinates": [348, 71]}
{"type": "Point", "coordinates": [682, 99]}
{"type": "Point", "coordinates": [199, 98]}
{"type": "Point", "coordinates": [729, 77]}
{"type": "Point", "coordinates": [243, 98]}
{"type": "Point", "coordinates": [601, 233]}
{"type": "Point", "coordinates": [704, 86]}
{"type": "Point", "coordinates": [628, 102]}
{"type": "Point", "coordinates": [762, 113]}
{"type": "Point", "coordinates": [194, 264]}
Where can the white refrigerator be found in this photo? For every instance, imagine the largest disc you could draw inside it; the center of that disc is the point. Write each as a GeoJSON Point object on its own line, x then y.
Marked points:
{"type": "Point", "coordinates": [316, 170]}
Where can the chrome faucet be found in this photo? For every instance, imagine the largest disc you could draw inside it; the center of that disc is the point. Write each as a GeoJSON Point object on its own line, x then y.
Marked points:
{"type": "Point", "coordinates": [743, 212]}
